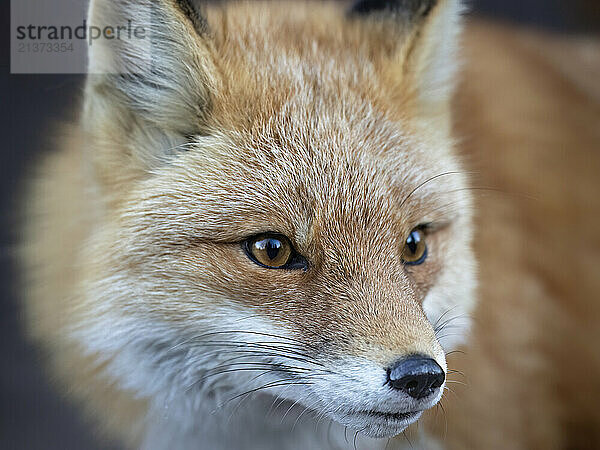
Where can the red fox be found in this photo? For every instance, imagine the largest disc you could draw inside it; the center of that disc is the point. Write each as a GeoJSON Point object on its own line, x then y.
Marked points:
{"type": "Point", "coordinates": [322, 225]}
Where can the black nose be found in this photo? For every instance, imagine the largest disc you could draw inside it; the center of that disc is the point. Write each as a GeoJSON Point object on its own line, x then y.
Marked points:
{"type": "Point", "coordinates": [419, 376]}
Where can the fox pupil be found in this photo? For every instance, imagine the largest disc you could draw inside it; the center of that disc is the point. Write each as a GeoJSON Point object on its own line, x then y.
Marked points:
{"type": "Point", "coordinates": [272, 248]}
{"type": "Point", "coordinates": [412, 242]}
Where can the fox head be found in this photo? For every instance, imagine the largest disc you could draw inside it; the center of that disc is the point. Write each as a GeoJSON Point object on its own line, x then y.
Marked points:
{"type": "Point", "coordinates": [280, 210]}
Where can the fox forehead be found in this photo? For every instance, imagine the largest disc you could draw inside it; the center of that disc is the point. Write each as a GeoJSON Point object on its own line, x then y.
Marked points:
{"type": "Point", "coordinates": [295, 178]}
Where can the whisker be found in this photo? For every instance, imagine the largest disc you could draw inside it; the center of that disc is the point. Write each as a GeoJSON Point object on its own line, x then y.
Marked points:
{"type": "Point", "coordinates": [243, 369]}
{"type": "Point", "coordinates": [496, 190]}
{"type": "Point", "coordinates": [247, 353]}
{"type": "Point", "coordinates": [447, 335]}
{"type": "Point", "coordinates": [451, 371]}
{"type": "Point", "coordinates": [289, 409]}
{"type": "Point", "coordinates": [445, 420]}
{"type": "Point", "coordinates": [227, 367]}
{"type": "Point", "coordinates": [306, 408]}
{"type": "Point", "coordinates": [283, 366]}
{"type": "Point", "coordinates": [439, 319]}
{"type": "Point", "coordinates": [446, 323]}
{"type": "Point", "coordinates": [287, 353]}
{"type": "Point", "coordinates": [266, 344]}
{"type": "Point", "coordinates": [280, 394]}
{"type": "Point", "coordinates": [354, 440]}
{"type": "Point", "coordinates": [257, 333]}
{"type": "Point", "coordinates": [426, 182]}
{"type": "Point", "coordinates": [446, 388]}
{"type": "Point", "coordinates": [406, 437]}
{"type": "Point", "coordinates": [283, 382]}
{"type": "Point", "coordinates": [456, 351]}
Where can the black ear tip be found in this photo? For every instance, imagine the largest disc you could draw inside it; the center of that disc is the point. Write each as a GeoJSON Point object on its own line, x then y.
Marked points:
{"type": "Point", "coordinates": [191, 10]}
{"type": "Point", "coordinates": [408, 8]}
{"type": "Point", "coordinates": [370, 6]}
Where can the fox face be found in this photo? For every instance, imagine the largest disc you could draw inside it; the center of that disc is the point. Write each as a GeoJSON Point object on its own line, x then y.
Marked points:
{"type": "Point", "coordinates": [280, 211]}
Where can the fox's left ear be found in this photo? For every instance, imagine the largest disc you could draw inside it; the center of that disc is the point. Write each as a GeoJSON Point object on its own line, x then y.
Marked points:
{"type": "Point", "coordinates": [425, 62]}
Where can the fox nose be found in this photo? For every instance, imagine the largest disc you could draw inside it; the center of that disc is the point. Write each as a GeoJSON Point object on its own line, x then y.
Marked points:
{"type": "Point", "coordinates": [418, 376]}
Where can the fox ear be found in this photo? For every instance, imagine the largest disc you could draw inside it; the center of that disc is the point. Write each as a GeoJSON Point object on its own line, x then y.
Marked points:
{"type": "Point", "coordinates": [158, 71]}
{"type": "Point", "coordinates": [426, 59]}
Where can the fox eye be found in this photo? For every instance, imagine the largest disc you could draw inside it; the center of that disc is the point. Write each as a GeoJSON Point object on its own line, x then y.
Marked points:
{"type": "Point", "coordinates": [415, 248]}
{"type": "Point", "coordinates": [273, 251]}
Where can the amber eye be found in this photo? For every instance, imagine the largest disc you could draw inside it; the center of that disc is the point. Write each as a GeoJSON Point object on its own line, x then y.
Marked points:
{"type": "Point", "coordinates": [274, 252]}
{"type": "Point", "coordinates": [415, 248]}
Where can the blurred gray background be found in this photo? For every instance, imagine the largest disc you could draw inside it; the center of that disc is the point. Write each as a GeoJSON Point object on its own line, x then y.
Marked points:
{"type": "Point", "coordinates": [32, 414]}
